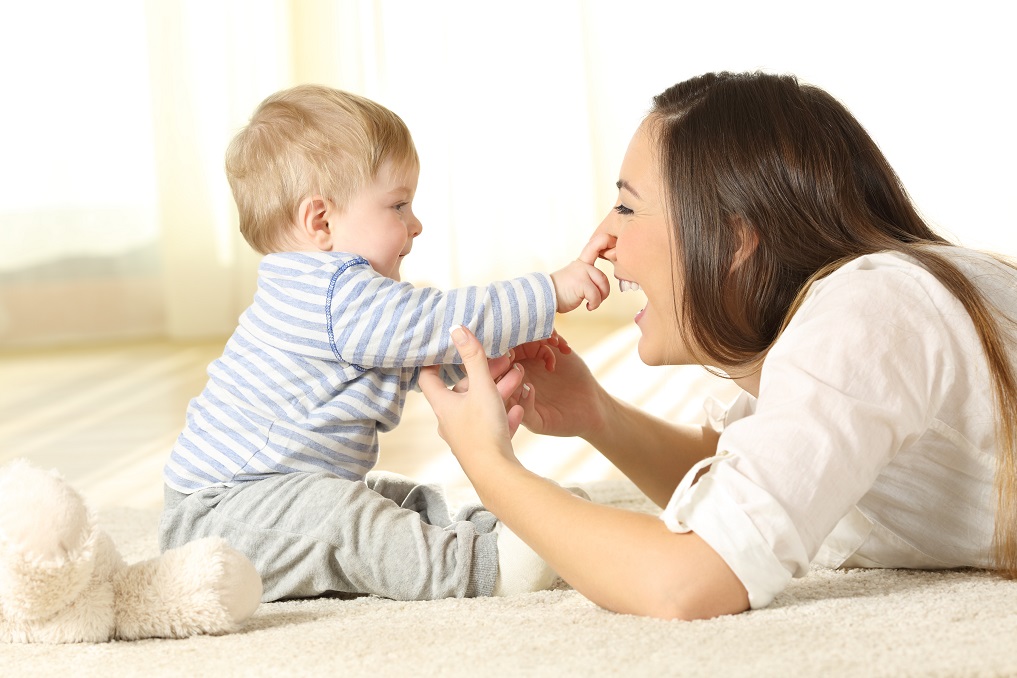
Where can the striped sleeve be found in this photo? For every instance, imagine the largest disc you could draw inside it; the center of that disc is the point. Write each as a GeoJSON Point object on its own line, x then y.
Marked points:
{"type": "Point", "coordinates": [379, 322]}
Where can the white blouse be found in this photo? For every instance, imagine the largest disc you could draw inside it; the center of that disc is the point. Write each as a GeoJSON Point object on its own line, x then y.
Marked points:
{"type": "Point", "coordinates": [872, 441]}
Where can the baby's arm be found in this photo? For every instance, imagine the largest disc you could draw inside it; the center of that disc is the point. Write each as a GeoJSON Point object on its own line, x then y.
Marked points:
{"type": "Point", "coordinates": [379, 322]}
{"type": "Point", "coordinates": [581, 279]}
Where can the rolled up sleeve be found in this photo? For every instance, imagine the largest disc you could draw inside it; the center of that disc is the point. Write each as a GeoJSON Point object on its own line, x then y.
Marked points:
{"type": "Point", "coordinates": [716, 509]}
{"type": "Point", "coordinates": [854, 379]}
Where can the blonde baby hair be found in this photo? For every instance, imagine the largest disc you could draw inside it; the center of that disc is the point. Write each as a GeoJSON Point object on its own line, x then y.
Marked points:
{"type": "Point", "coordinates": [309, 140]}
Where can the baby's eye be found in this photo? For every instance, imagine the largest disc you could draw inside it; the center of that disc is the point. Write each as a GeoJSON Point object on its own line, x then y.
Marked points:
{"type": "Point", "coordinates": [399, 206]}
{"type": "Point", "coordinates": [622, 209]}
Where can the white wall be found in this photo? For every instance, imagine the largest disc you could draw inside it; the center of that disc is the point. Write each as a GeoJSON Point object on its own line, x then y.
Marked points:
{"type": "Point", "coordinates": [932, 82]}
{"type": "Point", "coordinates": [552, 92]}
{"type": "Point", "coordinates": [521, 112]}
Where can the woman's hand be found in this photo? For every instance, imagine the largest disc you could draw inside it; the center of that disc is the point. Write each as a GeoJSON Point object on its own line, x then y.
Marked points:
{"type": "Point", "coordinates": [474, 418]}
{"type": "Point", "coordinates": [624, 561]}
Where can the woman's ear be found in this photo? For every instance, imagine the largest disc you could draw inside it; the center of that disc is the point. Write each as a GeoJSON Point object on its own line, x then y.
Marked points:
{"type": "Point", "coordinates": [312, 222]}
{"type": "Point", "coordinates": [748, 241]}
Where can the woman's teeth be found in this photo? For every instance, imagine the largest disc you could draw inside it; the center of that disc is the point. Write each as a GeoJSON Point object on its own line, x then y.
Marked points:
{"type": "Point", "coordinates": [627, 285]}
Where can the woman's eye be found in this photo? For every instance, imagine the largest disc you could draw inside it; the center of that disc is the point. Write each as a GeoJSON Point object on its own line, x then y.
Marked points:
{"type": "Point", "coordinates": [622, 209]}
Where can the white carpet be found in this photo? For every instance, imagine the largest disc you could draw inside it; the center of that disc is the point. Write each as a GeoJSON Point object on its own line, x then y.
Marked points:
{"type": "Point", "coordinates": [831, 623]}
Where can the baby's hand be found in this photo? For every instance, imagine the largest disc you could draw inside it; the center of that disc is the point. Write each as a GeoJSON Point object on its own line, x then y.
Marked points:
{"type": "Point", "coordinates": [582, 280]}
{"type": "Point", "coordinates": [541, 349]}
{"type": "Point", "coordinates": [579, 281]}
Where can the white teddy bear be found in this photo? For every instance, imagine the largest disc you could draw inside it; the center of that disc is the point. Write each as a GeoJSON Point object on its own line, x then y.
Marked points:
{"type": "Point", "coordinates": [62, 579]}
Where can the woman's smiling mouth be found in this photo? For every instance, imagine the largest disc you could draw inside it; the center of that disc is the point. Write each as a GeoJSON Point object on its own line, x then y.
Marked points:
{"type": "Point", "coordinates": [631, 286]}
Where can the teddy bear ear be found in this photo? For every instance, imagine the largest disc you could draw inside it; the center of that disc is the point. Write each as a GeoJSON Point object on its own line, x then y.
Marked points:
{"type": "Point", "coordinates": [61, 522]}
{"type": "Point", "coordinates": [20, 465]}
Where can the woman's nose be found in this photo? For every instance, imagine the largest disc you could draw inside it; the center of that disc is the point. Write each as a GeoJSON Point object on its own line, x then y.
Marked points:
{"type": "Point", "coordinates": [608, 224]}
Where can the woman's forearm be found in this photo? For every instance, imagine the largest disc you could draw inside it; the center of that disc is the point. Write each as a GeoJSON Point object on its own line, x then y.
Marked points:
{"type": "Point", "coordinates": [653, 453]}
{"type": "Point", "coordinates": [623, 561]}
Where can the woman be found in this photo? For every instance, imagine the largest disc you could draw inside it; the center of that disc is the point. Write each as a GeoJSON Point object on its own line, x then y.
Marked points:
{"type": "Point", "coordinates": [877, 426]}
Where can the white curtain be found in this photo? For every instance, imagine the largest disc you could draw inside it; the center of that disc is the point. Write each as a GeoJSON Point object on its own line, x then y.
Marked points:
{"type": "Point", "coordinates": [496, 97]}
{"type": "Point", "coordinates": [116, 220]}
{"type": "Point", "coordinates": [115, 217]}
{"type": "Point", "coordinates": [77, 194]}
{"type": "Point", "coordinates": [211, 63]}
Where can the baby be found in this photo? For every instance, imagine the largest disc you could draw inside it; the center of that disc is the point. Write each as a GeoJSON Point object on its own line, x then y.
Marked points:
{"type": "Point", "coordinates": [276, 450]}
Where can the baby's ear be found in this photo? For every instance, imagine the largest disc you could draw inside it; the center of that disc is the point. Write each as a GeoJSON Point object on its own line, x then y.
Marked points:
{"type": "Point", "coordinates": [312, 222]}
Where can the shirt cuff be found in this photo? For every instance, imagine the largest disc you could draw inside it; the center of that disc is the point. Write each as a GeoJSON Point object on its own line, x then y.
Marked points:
{"type": "Point", "coordinates": [718, 516]}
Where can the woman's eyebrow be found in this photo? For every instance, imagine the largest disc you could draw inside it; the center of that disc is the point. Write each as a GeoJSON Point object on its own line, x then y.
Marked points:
{"type": "Point", "coordinates": [621, 183]}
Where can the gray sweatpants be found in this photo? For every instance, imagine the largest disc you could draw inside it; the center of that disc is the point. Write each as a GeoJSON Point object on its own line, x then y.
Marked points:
{"type": "Point", "coordinates": [313, 533]}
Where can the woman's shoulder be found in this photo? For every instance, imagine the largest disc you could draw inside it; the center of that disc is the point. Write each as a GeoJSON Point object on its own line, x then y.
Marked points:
{"type": "Point", "coordinates": [894, 281]}
{"type": "Point", "coordinates": [969, 261]}
{"type": "Point", "coordinates": [879, 303]}
{"type": "Point", "coordinates": [888, 307]}
{"type": "Point", "coordinates": [870, 286]}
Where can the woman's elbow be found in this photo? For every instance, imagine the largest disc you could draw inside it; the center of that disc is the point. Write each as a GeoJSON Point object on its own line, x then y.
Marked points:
{"type": "Point", "coordinates": [693, 601]}
{"type": "Point", "coordinates": [691, 608]}
{"type": "Point", "coordinates": [690, 589]}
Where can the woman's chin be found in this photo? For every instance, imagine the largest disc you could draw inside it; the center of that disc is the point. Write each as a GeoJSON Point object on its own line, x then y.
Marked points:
{"type": "Point", "coordinates": [648, 356]}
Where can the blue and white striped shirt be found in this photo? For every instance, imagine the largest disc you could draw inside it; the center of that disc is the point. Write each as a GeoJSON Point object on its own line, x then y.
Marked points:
{"type": "Point", "coordinates": [323, 359]}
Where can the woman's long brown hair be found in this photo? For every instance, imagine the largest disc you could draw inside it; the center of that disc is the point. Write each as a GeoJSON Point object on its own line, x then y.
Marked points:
{"type": "Point", "coordinates": [788, 161]}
